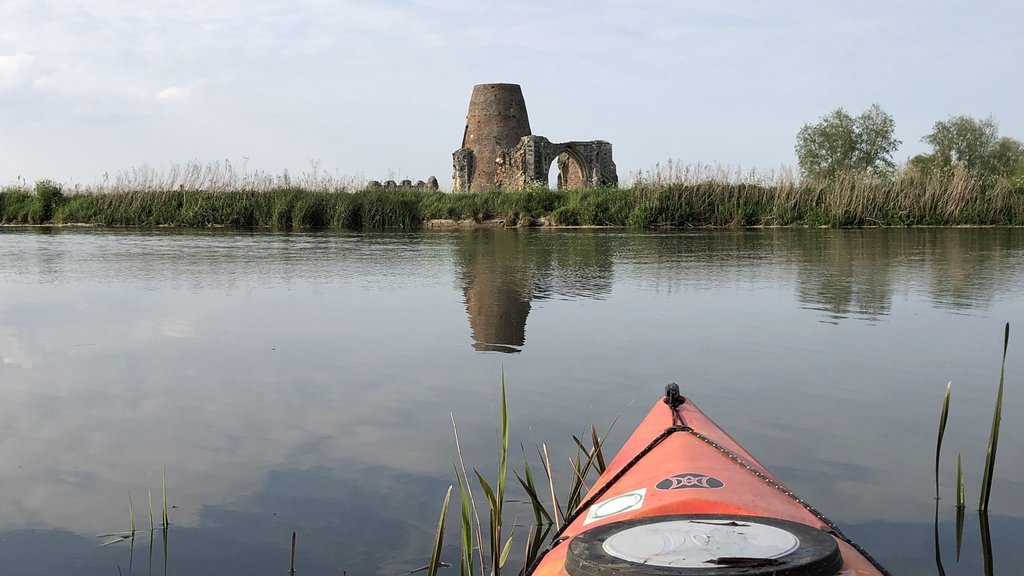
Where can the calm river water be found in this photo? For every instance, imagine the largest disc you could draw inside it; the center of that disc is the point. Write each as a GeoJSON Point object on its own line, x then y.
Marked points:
{"type": "Point", "coordinates": [304, 382]}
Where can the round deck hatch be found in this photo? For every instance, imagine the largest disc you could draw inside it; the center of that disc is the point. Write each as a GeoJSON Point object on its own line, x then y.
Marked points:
{"type": "Point", "coordinates": [704, 545]}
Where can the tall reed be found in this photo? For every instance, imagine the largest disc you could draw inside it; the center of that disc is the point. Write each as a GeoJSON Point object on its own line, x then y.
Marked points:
{"type": "Point", "coordinates": [435, 554]}
{"type": "Point", "coordinates": [942, 431]}
{"type": "Point", "coordinates": [987, 476]}
{"type": "Point", "coordinates": [489, 540]}
{"type": "Point", "coordinates": [993, 441]}
{"type": "Point", "coordinates": [131, 513]}
{"type": "Point", "coordinates": [674, 195]}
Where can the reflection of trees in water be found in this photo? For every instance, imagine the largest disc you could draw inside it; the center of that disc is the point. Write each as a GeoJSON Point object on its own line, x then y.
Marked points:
{"type": "Point", "coordinates": [841, 273]}
{"type": "Point", "coordinates": [502, 271]}
{"type": "Point", "coordinates": [573, 266]}
{"type": "Point", "coordinates": [847, 272]}
{"type": "Point", "coordinates": [970, 267]}
{"type": "Point", "coordinates": [703, 260]}
{"type": "Point", "coordinates": [199, 260]}
{"type": "Point", "coordinates": [855, 272]}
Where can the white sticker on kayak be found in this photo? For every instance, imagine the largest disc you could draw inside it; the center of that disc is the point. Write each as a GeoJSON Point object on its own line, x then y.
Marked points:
{"type": "Point", "coordinates": [616, 505]}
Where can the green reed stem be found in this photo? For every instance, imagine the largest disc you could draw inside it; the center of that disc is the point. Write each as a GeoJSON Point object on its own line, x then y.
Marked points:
{"type": "Point", "coordinates": [546, 460]}
{"type": "Point", "coordinates": [466, 511]}
{"type": "Point", "coordinates": [131, 513]}
{"type": "Point", "coordinates": [495, 548]}
{"type": "Point", "coordinates": [435, 554]}
{"type": "Point", "coordinates": [542, 525]}
{"type": "Point", "coordinates": [468, 500]}
{"type": "Point", "coordinates": [598, 452]}
{"type": "Point", "coordinates": [993, 442]}
{"type": "Point", "coordinates": [942, 431]}
{"type": "Point", "coordinates": [166, 522]}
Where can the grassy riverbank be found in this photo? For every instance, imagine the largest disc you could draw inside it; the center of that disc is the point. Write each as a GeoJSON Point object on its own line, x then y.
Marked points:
{"type": "Point", "coordinates": [961, 199]}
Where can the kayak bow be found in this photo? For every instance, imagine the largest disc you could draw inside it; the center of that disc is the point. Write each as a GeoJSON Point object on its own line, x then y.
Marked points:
{"type": "Point", "coordinates": [682, 498]}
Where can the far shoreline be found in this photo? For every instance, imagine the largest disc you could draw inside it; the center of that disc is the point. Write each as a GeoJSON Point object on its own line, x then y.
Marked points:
{"type": "Point", "coordinates": [445, 225]}
{"type": "Point", "coordinates": [904, 201]}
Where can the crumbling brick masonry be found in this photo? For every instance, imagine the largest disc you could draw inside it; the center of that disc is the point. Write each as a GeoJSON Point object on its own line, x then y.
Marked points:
{"type": "Point", "coordinates": [499, 152]}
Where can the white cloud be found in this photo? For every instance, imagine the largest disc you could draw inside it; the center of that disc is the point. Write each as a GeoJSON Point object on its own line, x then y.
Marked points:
{"type": "Point", "coordinates": [174, 93]}
{"type": "Point", "coordinates": [13, 69]}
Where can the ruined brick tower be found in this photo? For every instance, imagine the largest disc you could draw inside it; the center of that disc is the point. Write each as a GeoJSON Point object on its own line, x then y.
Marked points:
{"type": "Point", "coordinates": [496, 120]}
{"type": "Point", "coordinates": [500, 152]}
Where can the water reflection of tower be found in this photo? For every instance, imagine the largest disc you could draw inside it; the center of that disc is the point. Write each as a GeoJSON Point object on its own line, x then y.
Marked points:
{"type": "Point", "coordinates": [497, 283]}
{"type": "Point", "coordinates": [503, 271]}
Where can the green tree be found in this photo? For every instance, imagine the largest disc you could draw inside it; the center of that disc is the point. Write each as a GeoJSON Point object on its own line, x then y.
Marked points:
{"type": "Point", "coordinates": [963, 142]}
{"type": "Point", "coordinates": [1008, 158]}
{"type": "Point", "coordinates": [922, 164]}
{"type": "Point", "coordinates": [842, 143]}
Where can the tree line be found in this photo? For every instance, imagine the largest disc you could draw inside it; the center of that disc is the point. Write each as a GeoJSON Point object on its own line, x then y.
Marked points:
{"type": "Point", "coordinates": [864, 144]}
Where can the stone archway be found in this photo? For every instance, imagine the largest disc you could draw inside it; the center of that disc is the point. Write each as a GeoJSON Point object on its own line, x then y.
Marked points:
{"type": "Point", "coordinates": [587, 164]}
{"type": "Point", "coordinates": [570, 170]}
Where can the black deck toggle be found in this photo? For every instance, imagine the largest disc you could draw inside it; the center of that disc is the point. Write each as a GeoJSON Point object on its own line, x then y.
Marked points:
{"type": "Point", "coordinates": [672, 396]}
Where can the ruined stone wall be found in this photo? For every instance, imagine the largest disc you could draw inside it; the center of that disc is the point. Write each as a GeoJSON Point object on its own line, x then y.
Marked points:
{"type": "Point", "coordinates": [582, 164]}
{"type": "Point", "coordinates": [430, 185]}
{"type": "Point", "coordinates": [462, 173]}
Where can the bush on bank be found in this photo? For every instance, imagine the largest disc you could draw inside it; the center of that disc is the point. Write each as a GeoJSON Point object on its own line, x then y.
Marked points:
{"type": "Point", "coordinates": [906, 200]}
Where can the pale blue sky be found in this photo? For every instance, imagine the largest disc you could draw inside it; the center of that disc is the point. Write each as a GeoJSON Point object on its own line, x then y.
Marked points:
{"type": "Point", "coordinates": [379, 88]}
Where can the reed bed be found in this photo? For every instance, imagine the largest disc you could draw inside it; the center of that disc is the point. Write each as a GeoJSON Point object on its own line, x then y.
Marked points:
{"type": "Point", "coordinates": [484, 544]}
{"type": "Point", "coordinates": [673, 196]}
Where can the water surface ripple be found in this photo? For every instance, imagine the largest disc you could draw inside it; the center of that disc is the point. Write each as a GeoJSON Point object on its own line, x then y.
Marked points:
{"type": "Point", "coordinates": [304, 382]}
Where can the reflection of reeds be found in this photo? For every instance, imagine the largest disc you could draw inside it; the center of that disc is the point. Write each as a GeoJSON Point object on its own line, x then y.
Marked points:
{"type": "Point", "coordinates": [961, 494]}
{"type": "Point", "coordinates": [986, 543]}
{"type": "Point", "coordinates": [961, 504]}
{"type": "Point", "coordinates": [291, 563]}
{"type": "Point", "coordinates": [938, 550]}
{"type": "Point", "coordinates": [960, 514]}
{"type": "Point", "coordinates": [164, 486]}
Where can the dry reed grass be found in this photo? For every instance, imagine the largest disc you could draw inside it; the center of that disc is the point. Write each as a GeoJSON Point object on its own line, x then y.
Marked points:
{"type": "Point", "coordinates": [673, 194]}
{"type": "Point", "coordinates": [219, 177]}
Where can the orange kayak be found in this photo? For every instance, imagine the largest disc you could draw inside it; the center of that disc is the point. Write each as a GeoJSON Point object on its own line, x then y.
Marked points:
{"type": "Point", "coordinates": [682, 498]}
